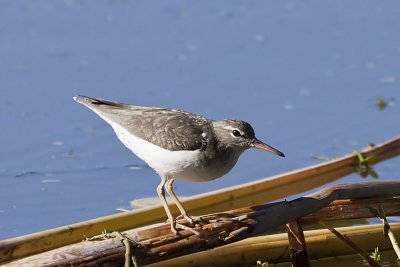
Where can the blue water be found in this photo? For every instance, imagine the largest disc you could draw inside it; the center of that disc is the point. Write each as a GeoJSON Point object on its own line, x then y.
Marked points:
{"type": "Point", "coordinates": [305, 74]}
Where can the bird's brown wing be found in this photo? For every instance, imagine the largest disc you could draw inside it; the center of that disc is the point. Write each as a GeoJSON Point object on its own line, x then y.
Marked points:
{"type": "Point", "coordinates": [168, 128]}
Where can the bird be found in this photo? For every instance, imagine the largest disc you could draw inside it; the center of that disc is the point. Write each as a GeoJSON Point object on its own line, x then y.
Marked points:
{"type": "Point", "coordinates": [178, 144]}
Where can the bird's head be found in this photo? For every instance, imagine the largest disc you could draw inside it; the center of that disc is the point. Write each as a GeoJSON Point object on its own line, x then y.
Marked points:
{"type": "Point", "coordinates": [240, 135]}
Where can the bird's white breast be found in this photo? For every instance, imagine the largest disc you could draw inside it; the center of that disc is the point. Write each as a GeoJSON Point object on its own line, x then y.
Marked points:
{"type": "Point", "coordinates": [162, 160]}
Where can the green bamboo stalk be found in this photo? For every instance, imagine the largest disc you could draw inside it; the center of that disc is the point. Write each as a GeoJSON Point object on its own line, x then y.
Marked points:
{"type": "Point", "coordinates": [386, 228]}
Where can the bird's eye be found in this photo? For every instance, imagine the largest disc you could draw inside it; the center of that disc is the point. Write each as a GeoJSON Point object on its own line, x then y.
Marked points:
{"type": "Point", "coordinates": [236, 133]}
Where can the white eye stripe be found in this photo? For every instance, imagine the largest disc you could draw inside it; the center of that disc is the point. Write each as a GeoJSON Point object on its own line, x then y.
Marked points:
{"type": "Point", "coordinates": [230, 128]}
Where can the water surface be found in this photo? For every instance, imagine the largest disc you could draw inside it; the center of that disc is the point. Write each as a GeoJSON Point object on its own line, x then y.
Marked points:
{"type": "Point", "coordinates": [306, 75]}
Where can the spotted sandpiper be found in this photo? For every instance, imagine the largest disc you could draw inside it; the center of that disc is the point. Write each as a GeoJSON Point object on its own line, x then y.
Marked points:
{"type": "Point", "coordinates": [178, 144]}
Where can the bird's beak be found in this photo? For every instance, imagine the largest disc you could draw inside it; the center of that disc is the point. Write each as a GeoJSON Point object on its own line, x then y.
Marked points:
{"type": "Point", "coordinates": [260, 145]}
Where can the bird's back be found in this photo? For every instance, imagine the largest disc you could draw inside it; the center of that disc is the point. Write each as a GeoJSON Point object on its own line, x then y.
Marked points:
{"type": "Point", "coordinates": [167, 128]}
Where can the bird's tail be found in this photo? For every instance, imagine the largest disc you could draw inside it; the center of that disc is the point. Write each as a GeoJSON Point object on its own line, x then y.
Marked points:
{"type": "Point", "coordinates": [86, 100]}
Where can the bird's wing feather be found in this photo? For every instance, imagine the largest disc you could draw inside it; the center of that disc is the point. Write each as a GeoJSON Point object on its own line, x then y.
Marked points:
{"type": "Point", "coordinates": [168, 128]}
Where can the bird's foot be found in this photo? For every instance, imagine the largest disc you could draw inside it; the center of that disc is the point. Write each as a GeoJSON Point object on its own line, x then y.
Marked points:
{"type": "Point", "coordinates": [175, 226]}
{"type": "Point", "coordinates": [184, 227]}
{"type": "Point", "coordinates": [192, 219]}
{"type": "Point", "coordinates": [173, 229]}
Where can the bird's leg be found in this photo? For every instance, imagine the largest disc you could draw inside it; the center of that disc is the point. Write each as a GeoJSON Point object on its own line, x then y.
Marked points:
{"type": "Point", "coordinates": [165, 182]}
{"type": "Point", "coordinates": [170, 191]}
{"type": "Point", "coordinates": [161, 195]}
